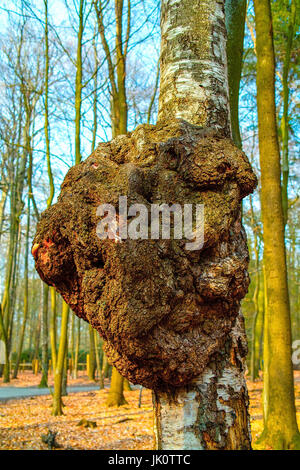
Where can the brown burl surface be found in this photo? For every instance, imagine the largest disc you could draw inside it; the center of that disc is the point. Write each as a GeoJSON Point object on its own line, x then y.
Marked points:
{"type": "Point", "coordinates": [163, 311]}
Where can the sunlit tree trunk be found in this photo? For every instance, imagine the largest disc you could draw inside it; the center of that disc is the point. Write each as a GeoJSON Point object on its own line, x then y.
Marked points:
{"type": "Point", "coordinates": [116, 62]}
{"type": "Point", "coordinates": [115, 395]}
{"type": "Point", "coordinates": [10, 275]}
{"type": "Point", "coordinates": [256, 249]}
{"type": "Point", "coordinates": [75, 366]}
{"type": "Point", "coordinates": [53, 328]}
{"type": "Point", "coordinates": [45, 358]}
{"type": "Point", "coordinates": [51, 181]}
{"type": "Point", "coordinates": [280, 427]}
{"type": "Point", "coordinates": [95, 94]}
{"type": "Point", "coordinates": [2, 208]}
{"type": "Point", "coordinates": [64, 383]}
{"type": "Point", "coordinates": [25, 299]}
{"type": "Point", "coordinates": [285, 115]}
{"type": "Point", "coordinates": [44, 329]}
{"type": "Point", "coordinates": [92, 354]}
{"type": "Point", "coordinates": [100, 374]}
{"type": "Point", "coordinates": [126, 385]}
{"type": "Point", "coordinates": [235, 13]}
{"type": "Point", "coordinates": [58, 375]}
{"type": "Point", "coordinates": [105, 366]}
{"type": "Point", "coordinates": [37, 326]}
{"type": "Point", "coordinates": [72, 344]}
{"type": "Point", "coordinates": [211, 412]}
{"type": "Point", "coordinates": [117, 78]}
{"type": "Point", "coordinates": [4, 336]}
{"type": "Point", "coordinates": [78, 84]}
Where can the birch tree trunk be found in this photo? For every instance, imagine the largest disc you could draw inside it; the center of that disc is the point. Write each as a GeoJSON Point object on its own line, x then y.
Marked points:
{"type": "Point", "coordinates": [212, 411]}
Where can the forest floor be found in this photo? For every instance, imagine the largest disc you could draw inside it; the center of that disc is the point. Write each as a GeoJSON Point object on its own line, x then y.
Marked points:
{"type": "Point", "coordinates": [24, 421]}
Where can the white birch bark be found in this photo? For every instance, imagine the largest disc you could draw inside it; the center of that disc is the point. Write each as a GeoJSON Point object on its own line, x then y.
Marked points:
{"type": "Point", "coordinates": [193, 82]}
{"type": "Point", "coordinates": [212, 411]}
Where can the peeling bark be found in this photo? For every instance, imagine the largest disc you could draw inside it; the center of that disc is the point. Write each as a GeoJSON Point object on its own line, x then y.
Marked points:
{"type": "Point", "coordinates": [193, 83]}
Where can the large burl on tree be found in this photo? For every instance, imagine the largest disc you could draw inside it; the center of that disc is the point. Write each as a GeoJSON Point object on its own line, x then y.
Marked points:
{"type": "Point", "coordinates": [163, 311]}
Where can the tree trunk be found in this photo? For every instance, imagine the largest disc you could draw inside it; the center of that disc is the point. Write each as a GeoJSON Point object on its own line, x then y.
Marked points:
{"type": "Point", "coordinates": [78, 84]}
{"type": "Point", "coordinates": [116, 396]}
{"type": "Point", "coordinates": [58, 376]}
{"type": "Point", "coordinates": [2, 208]}
{"type": "Point", "coordinates": [25, 304]}
{"type": "Point", "coordinates": [285, 114]}
{"type": "Point", "coordinates": [253, 367]}
{"type": "Point", "coordinates": [53, 328]}
{"type": "Point", "coordinates": [6, 306]}
{"type": "Point", "coordinates": [280, 431]}
{"type": "Point", "coordinates": [64, 392]}
{"type": "Point", "coordinates": [117, 78]}
{"type": "Point", "coordinates": [37, 329]}
{"type": "Point", "coordinates": [126, 385]}
{"type": "Point", "coordinates": [45, 358]}
{"type": "Point", "coordinates": [101, 380]}
{"type": "Point", "coordinates": [105, 366]}
{"type": "Point", "coordinates": [212, 411]}
{"type": "Point", "coordinates": [92, 355]}
{"type": "Point", "coordinates": [75, 366]}
{"type": "Point", "coordinates": [235, 12]}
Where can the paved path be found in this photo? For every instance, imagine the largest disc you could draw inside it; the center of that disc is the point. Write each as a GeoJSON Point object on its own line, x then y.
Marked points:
{"type": "Point", "coordinates": [11, 393]}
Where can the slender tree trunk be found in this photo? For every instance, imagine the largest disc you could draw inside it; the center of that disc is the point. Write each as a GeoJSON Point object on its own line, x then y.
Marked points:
{"type": "Point", "coordinates": [95, 95]}
{"type": "Point", "coordinates": [75, 366]}
{"type": "Point", "coordinates": [58, 376]}
{"type": "Point", "coordinates": [253, 368]}
{"type": "Point", "coordinates": [2, 208]}
{"type": "Point", "coordinates": [285, 115]}
{"type": "Point", "coordinates": [265, 393]}
{"type": "Point", "coordinates": [254, 364]}
{"type": "Point", "coordinates": [149, 112]}
{"type": "Point", "coordinates": [6, 306]}
{"type": "Point", "coordinates": [212, 411]}
{"type": "Point", "coordinates": [120, 101]}
{"type": "Point", "coordinates": [72, 348]}
{"type": "Point", "coordinates": [101, 380]}
{"type": "Point", "coordinates": [140, 397]}
{"type": "Point", "coordinates": [119, 110]}
{"type": "Point", "coordinates": [3, 331]}
{"type": "Point", "coordinates": [115, 395]}
{"type": "Point", "coordinates": [92, 355]}
{"type": "Point", "coordinates": [25, 301]}
{"type": "Point", "coordinates": [105, 366]}
{"type": "Point", "coordinates": [10, 279]}
{"type": "Point", "coordinates": [78, 85]}
{"type": "Point", "coordinates": [235, 12]}
{"type": "Point", "coordinates": [280, 431]}
{"type": "Point", "coordinates": [44, 325]}
{"type": "Point", "coordinates": [37, 330]}
{"type": "Point", "coordinates": [64, 392]}
{"type": "Point", "coordinates": [53, 328]}
{"type": "Point", "coordinates": [127, 386]}
{"type": "Point", "coordinates": [13, 292]}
